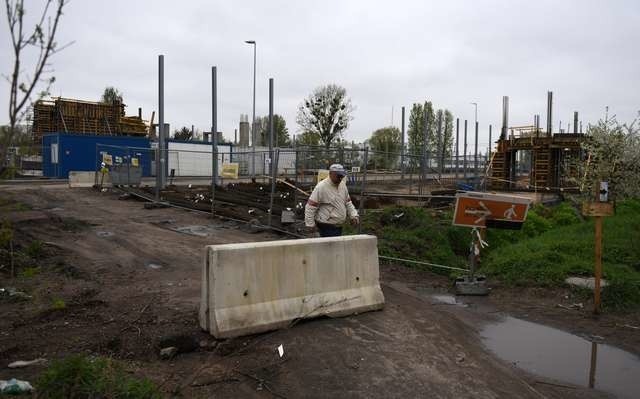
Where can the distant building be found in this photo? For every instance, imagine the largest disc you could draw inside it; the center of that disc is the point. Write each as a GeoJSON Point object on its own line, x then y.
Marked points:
{"type": "Point", "coordinates": [244, 130]}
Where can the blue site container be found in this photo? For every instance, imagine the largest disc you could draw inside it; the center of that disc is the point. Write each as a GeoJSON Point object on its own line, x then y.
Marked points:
{"type": "Point", "coordinates": [65, 152]}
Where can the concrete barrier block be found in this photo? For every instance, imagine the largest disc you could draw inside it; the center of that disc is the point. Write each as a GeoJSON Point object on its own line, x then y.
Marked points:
{"type": "Point", "coordinates": [254, 287]}
{"type": "Point", "coordinates": [86, 179]}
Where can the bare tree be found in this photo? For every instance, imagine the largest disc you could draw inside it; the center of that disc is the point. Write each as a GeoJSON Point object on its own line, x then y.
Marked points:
{"type": "Point", "coordinates": [326, 112]}
{"type": "Point", "coordinates": [23, 83]}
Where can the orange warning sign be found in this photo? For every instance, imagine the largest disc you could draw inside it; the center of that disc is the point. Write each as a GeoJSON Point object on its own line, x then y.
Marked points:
{"type": "Point", "coordinates": [490, 210]}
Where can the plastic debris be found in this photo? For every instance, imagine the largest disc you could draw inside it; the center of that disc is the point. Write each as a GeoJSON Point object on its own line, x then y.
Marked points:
{"type": "Point", "coordinates": [169, 352]}
{"type": "Point", "coordinates": [14, 293]}
{"type": "Point", "coordinates": [281, 350]}
{"type": "Point", "coordinates": [15, 387]}
{"type": "Point", "coordinates": [25, 363]}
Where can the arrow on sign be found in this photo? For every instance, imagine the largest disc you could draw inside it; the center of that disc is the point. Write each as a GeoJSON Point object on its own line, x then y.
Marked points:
{"type": "Point", "coordinates": [483, 213]}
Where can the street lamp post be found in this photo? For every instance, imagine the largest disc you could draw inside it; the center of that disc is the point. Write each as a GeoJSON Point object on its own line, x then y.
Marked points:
{"type": "Point", "coordinates": [476, 110]}
{"type": "Point", "coordinates": [253, 119]}
{"type": "Point", "coordinates": [475, 153]}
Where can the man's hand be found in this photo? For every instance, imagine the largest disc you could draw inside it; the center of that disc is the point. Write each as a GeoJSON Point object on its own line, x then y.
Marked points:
{"type": "Point", "coordinates": [355, 221]}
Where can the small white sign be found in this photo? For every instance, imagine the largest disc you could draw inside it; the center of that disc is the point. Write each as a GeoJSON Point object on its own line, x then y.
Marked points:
{"type": "Point", "coordinates": [54, 153]}
{"type": "Point", "coordinates": [604, 191]}
{"type": "Point", "coordinates": [355, 169]}
{"type": "Point", "coordinates": [281, 350]}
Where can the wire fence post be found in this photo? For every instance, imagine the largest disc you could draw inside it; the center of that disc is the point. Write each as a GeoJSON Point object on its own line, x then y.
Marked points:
{"type": "Point", "coordinates": [402, 149]}
{"type": "Point", "coordinates": [363, 187]}
{"type": "Point", "coordinates": [128, 166]}
{"type": "Point", "coordinates": [274, 173]}
{"type": "Point", "coordinates": [475, 155]}
{"type": "Point", "coordinates": [464, 156]}
{"type": "Point", "coordinates": [214, 141]}
{"type": "Point", "coordinates": [440, 146]}
{"type": "Point", "coordinates": [295, 177]}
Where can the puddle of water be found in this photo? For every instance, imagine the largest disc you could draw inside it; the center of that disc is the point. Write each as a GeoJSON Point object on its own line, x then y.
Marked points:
{"type": "Point", "coordinates": [555, 354]}
{"type": "Point", "coordinates": [448, 299]}
{"type": "Point", "coordinates": [200, 231]}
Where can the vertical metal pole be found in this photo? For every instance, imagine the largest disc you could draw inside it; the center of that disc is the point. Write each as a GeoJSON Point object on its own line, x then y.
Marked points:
{"type": "Point", "coordinates": [270, 125]}
{"type": "Point", "coordinates": [475, 154]}
{"type": "Point", "coordinates": [425, 152]}
{"type": "Point", "coordinates": [575, 122]}
{"type": "Point", "coordinates": [457, 146]}
{"type": "Point", "coordinates": [594, 361]}
{"type": "Point", "coordinates": [439, 149]}
{"type": "Point", "coordinates": [295, 176]}
{"type": "Point", "coordinates": [214, 139]}
{"type": "Point", "coordinates": [274, 173]}
{"type": "Point", "coordinates": [464, 156]}
{"type": "Point", "coordinates": [505, 117]}
{"type": "Point", "coordinates": [549, 113]}
{"type": "Point", "coordinates": [253, 120]}
{"type": "Point", "coordinates": [598, 268]}
{"type": "Point", "coordinates": [490, 144]}
{"type": "Point", "coordinates": [402, 148]}
{"type": "Point", "coordinates": [160, 148]}
{"type": "Point", "coordinates": [363, 187]}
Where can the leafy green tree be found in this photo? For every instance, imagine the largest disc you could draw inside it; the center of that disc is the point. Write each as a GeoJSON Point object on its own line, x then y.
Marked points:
{"type": "Point", "coordinates": [326, 112]}
{"type": "Point", "coordinates": [31, 50]}
{"type": "Point", "coordinates": [184, 134]}
{"type": "Point", "coordinates": [386, 145]}
{"type": "Point", "coordinates": [416, 130]}
{"type": "Point", "coordinates": [111, 95]}
{"type": "Point", "coordinates": [308, 138]}
{"type": "Point", "coordinates": [448, 133]}
{"type": "Point", "coordinates": [281, 132]}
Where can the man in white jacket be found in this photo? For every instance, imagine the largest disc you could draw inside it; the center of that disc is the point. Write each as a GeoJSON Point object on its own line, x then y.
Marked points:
{"type": "Point", "coordinates": [330, 204]}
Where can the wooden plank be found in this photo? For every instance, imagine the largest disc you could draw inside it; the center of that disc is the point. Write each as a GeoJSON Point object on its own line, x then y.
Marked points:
{"type": "Point", "coordinates": [597, 209]}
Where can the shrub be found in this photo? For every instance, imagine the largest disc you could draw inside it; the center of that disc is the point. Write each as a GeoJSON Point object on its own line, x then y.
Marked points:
{"type": "Point", "coordinates": [79, 377]}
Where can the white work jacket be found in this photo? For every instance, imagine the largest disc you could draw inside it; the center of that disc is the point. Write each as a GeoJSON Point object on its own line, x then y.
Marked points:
{"type": "Point", "coordinates": [329, 204]}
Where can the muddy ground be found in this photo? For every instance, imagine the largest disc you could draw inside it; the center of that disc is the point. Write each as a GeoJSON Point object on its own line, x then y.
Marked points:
{"type": "Point", "coordinates": [129, 279]}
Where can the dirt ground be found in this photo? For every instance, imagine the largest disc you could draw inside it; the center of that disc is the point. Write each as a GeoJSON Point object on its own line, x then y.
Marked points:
{"type": "Point", "coordinates": [130, 283]}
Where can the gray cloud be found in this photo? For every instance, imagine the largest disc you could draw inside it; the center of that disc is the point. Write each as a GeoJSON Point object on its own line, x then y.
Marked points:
{"type": "Point", "coordinates": [386, 54]}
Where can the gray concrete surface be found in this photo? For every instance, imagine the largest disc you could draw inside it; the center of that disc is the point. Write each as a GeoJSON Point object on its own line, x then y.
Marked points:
{"type": "Point", "coordinates": [249, 288]}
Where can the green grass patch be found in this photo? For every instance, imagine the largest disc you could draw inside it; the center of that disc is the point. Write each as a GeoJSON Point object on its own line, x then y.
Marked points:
{"type": "Point", "coordinates": [58, 304]}
{"type": "Point", "coordinates": [10, 204]}
{"type": "Point", "coordinates": [30, 272]}
{"type": "Point", "coordinates": [82, 377]}
{"type": "Point", "coordinates": [35, 249]}
{"type": "Point", "coordinates": [417, 234]}
{"type": "Point", "coordinates": [556, 243]}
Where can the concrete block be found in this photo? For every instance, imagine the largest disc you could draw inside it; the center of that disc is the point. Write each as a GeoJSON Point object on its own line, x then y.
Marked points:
{"type": "Point", "coordinates": [254, 287]}
{"type": "Point", "coordinates": [86, 179]}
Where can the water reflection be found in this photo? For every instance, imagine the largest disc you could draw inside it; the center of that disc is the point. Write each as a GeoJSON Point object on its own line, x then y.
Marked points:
{"type": "Point", "coordinates": [562, 356]}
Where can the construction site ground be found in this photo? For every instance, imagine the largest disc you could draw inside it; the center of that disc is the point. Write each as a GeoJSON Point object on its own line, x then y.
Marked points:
{"type": "Point", "coordinates": [130, 281]}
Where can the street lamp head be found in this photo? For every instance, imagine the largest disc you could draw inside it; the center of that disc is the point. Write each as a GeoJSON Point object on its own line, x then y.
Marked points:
{"type": "Point", "coordinates": [250, 41]}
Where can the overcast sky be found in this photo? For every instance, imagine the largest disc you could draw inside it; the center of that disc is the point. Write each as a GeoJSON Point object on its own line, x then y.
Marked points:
{"type": "Point", "coordinates": [387, 54]}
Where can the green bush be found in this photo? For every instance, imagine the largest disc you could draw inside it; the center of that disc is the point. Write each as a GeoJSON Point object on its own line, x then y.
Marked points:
{"type": "Point", "coordinates": [58, 304]}
{"type": "Point", "coordinates": [35, 249]}
{"type": "Point", "coordinates": [79, 377]}
{"type": "Point", "coordinates": [30, 272]}
{"type": "Point", "coordinates": [547, 257]}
